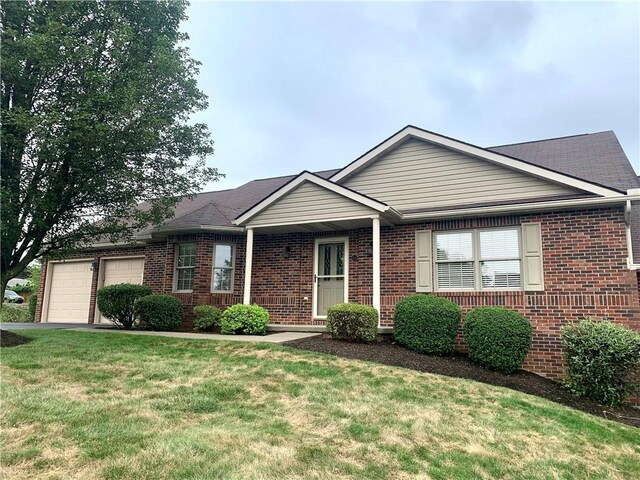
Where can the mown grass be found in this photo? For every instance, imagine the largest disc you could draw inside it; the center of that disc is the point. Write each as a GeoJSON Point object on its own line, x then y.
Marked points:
{"type": "Point", "coordinates": [115, 406]}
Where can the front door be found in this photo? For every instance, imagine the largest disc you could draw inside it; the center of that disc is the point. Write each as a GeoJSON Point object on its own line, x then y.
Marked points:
{"type": "Point", "coordinates": [331, 274]}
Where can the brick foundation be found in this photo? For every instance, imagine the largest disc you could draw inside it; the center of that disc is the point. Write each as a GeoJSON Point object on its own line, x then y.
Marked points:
{"type": "Point", "coordinates": [585, 274]}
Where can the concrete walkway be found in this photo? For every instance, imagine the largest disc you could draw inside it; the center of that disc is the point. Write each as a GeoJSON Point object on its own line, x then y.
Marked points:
{"type": "Point", "coordinates": [280, 337]}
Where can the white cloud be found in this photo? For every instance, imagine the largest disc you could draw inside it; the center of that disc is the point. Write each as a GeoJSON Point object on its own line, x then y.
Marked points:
{"type": "Point", "coordinates": [312, 86]}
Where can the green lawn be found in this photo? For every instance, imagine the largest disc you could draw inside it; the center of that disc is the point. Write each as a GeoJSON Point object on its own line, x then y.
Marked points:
{"type": "Point", "coordinates": [92, 405]}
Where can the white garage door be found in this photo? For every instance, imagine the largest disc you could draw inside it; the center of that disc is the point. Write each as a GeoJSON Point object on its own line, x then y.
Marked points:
{"type": "Point", "coordinates": [121, 270]}
{"type": "Point", "coordinates": [69, 292]}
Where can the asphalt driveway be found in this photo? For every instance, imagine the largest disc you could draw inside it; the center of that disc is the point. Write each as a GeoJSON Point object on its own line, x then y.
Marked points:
{"type": "Point", "coordinates": [59, 326]}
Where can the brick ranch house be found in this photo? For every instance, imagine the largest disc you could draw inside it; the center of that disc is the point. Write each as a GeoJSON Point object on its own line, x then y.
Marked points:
{"type": "Point", "coordinates": [548, 228]}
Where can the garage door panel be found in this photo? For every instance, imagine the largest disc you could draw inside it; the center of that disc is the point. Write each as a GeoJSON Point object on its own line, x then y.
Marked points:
{"type": "Point", "coordinates": [69, 292]}
{"type": "Point", "coordinates": [121, 270]}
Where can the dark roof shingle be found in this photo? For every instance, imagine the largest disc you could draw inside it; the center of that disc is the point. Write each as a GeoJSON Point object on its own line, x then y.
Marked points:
{"type": "Point", "coordinates": [594, 157]}
{"type": "Point", "coordinates": [220, 207]}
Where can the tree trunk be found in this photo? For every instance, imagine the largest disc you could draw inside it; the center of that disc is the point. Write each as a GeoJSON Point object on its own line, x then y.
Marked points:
{"type": "Point", "coordinates": [3, 287]}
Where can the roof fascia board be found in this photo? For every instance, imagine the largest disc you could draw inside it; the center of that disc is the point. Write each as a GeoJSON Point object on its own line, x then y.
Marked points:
{"type": "Point", "coordinates": [504, 160]}
{"type": "Point", "coordinates": [306, 176]}
{"type": "Point", "coordinates": [519, 208]}
{"type": "Point", "coordinates": [139, 242]}
{"type": "Point", "coordinates": [198, 228]}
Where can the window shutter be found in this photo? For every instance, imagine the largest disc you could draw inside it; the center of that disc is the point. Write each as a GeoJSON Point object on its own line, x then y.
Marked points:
{"type": "Point", "coordinates": [532, 257]}
{"type": "Point", "coordinates": [424, 276]}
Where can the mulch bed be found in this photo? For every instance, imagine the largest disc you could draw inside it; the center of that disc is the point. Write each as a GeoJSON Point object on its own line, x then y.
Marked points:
{"type": "Point", "coordinates": [10, 339]}
{"type": "Point", "coordinates": [459, 366]}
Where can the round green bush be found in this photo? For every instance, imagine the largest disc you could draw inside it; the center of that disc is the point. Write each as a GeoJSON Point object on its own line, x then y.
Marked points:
{"type": "Point", "coordinates": [207, 318]}
{"type": "Point", "coordinates": [33, 303]}
{"type": "Point", "coordinates": [159, 312]}
{"type": "Point", "coordinates": [352, 322]}
{"type": "Point", "coordinates": [426, 324]}
{"type": "Point", "coordinates": [497, 338]}
{"type": "Point", "coordinates": [116, 302]}
{"type": "Point", "coordinates": [247, 319]}
{"type": "Point", "coordinates": [603, 360]}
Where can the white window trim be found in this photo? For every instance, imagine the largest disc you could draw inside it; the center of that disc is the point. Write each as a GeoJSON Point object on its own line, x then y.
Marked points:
{"type": "Point", "coordinates": [175, 267]}
{"type": "Point", "coordinates": [232, 267]}
{"type": "Point", "coordinates": [477, 260]}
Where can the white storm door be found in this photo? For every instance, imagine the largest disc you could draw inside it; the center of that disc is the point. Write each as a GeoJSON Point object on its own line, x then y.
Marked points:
{"type": "Point", "coordinates": [330, 274]}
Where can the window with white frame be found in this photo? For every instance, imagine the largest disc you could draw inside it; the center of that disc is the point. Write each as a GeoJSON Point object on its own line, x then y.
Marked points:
{"type": "Point", "coordinates": [223, 266]}
{"type": "Point", "coordinates": [487, 259]}
{"type": "Point", "coordinates": [185, 267]}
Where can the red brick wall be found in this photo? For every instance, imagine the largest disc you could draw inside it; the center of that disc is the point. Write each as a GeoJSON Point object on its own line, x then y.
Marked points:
{"type": "Point", "coordinates": [584, 261]}
{"type": "Point", "coordinates": [584, 254]}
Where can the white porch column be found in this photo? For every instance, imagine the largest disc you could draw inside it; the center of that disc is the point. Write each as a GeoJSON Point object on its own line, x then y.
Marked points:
{"type": "Point", "coordinates": [247, 267]}
{"type": "Point", "coordinates": [376, 265]}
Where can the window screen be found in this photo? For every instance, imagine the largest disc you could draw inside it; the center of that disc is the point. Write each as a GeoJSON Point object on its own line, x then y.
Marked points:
{"type": "Point", "coordinates": [223, 265]}
{"type": "Point", "coordinates": [490, 258]}
{"type": "Point", "coordinates": [185, 266]}
{"type": "Point", "coordinates": [454, 260]}
{"type": "Point", "coordinates": [500, 258]}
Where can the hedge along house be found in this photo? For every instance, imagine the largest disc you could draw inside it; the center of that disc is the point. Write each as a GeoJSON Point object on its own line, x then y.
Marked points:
{"type": "Point", "coordinates": [547, 228]}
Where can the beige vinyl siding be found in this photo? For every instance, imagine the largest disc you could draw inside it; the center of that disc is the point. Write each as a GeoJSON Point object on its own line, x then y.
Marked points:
{"type": "Point", "coordinates": [419, 174]}
{"type": "Point", "coordinates": [307, 203]}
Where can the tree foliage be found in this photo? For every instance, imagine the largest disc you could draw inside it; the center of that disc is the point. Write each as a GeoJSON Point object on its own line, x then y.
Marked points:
{"type": "Point", "coordinates": [96, 104]}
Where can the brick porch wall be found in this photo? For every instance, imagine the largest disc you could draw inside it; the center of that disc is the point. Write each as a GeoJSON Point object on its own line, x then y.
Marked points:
{"type": "Point", "coordinates": [584, 262]}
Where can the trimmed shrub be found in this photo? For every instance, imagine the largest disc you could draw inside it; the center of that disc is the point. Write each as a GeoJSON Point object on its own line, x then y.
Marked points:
{"type": "Point", "coordinates": [498, 338]}
{"type": "Point", "coordinates": [426, 324]}
{"type": "Point", "coordinates": [14, 313]}
{"type": "Point", "coordinates": [207, 318]}
{"type": "Point", "coordinates": [352, 322]}
{"type": "Point", "coordinates": [116, 302]}
{"type": "Point", "coordinates": [247, 319]}
{"type": "Point", "coordinates": [33, 303]}
{"type": "Point", "coordinates": [158, 312]}
{"type": "Point", "coordinates": [603, 360]}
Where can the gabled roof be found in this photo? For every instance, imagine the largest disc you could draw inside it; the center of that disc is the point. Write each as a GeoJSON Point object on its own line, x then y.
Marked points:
{"type": "Point", "coordinates": [594, 157]}
{"type": "Point", "coordinates": [219, 208]}
{"type": "Point", "coordinates": [305, 177]}
{"type": "Point", "coordinates": [499, 158]}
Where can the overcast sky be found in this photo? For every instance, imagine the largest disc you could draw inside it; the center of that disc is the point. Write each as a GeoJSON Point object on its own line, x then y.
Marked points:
{"type": "Point", "coordinates": [313, 86]}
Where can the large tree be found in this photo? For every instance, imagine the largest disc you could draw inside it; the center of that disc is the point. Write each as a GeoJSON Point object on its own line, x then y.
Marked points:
{"type": "Point", "coordinates": [96, 104]}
